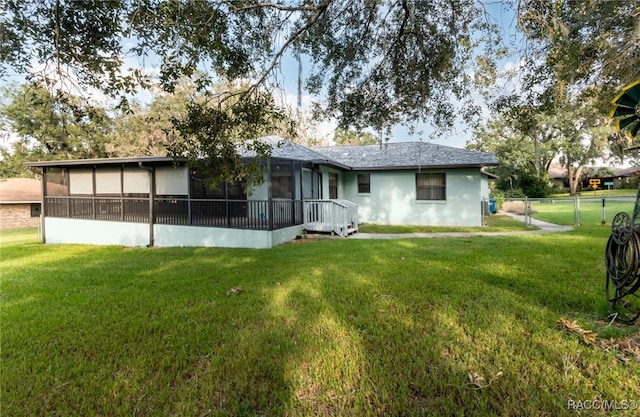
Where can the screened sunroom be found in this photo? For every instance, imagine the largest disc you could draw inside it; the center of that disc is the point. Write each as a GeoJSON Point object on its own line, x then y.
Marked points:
{"type": "Point", "coordinates": [163, 202]}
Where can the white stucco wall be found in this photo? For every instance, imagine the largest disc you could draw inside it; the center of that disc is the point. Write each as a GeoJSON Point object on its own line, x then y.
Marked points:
{"type": "Point", "coordinates": [393, 199]}
{"type": "Point", "coordinates": [168, 235]}
{"type": "Point", "coordinates": [95, 232]}
{"type": "Point", "coordinates": [484, 187]}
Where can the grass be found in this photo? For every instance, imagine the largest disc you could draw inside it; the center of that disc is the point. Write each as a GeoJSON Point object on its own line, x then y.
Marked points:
{"type": "Point", "coordinates": [464, 326]}
{"type": "Point", "coordinates": [495, 223]}
{"type": "Point", "coordinates": [628, 192]}
{"type": "Point", "coordinates": [591, 211]}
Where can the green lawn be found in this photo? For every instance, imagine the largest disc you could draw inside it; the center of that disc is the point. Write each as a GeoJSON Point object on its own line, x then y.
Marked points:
{"type": "Point", "coordinates": [323, 327]}
{"type": "Point", "coordinates": [562, 211]}
{"type": "Point", "coordinates": [494, 223]}
{"type": "Point", "coordinates": [627, 192]}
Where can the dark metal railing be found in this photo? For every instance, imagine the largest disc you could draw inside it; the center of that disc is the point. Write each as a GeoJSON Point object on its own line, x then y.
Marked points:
{"type": "Point", "coordinates": [237, 214]}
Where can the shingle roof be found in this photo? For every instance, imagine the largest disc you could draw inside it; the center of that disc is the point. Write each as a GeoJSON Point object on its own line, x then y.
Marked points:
{"type": "Point", "coordinates": [25, 190]}
{"type": "Point", "coordinates": [390, 155]}
{"type": "Point", "coordinates": [406, 155]}
{"type": "Point", "coordinates": [282, 148]}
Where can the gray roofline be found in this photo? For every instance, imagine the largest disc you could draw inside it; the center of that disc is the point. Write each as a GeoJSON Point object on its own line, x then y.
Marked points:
{"type": "Point", "coordinates": [329, 162]}
{"type": "Point", "coordinates": [318, 156]}
{"type": "Point", "coordinates": [102, 161]}
{"type": "Point", "coordinates": [144, 159]}
{"type": "Point", "coordinates": [166, 159]}
{"type": "Point", "coordinates": [418, 167]}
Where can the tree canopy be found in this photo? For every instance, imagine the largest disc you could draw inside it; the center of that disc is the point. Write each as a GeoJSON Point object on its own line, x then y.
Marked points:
{"type": "Point", "coordinates": [576, 56]}
{"type": "Point", "coordinates": [371, 63]}
{"type": "Point", "coordinates": [54, 126]}
{"type": "Point", "coordinates": [368, 63]}
{"type": "Point", "coordinates": [574, 47]}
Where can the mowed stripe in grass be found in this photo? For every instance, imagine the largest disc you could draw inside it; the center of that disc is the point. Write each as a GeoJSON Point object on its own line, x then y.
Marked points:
{"type": "Point", "coordinates": [326, 327]}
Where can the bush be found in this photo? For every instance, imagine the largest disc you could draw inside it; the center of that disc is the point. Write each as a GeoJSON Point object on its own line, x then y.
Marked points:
{"type": "Point", "coordinates": [535, 187]}
{"type": "Point", "coordinates": [499, 197]}
{"type": "Point", "coordinates": [517, 193]}
{"type": "Point", "coordinates": [629, 184]}
{"type": "Point", "coordinates": [525, 185]}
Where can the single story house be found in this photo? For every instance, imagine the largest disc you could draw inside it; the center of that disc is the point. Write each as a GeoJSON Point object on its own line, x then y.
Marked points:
{"type": "Point", "coordinates": [158, 201]}
{"type": "Point", "coordinates": [610, 177]}
{"type": "Point", "coordinates": [20, 202]}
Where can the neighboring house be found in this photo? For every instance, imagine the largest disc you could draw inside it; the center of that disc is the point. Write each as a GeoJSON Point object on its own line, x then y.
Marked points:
{"type": "Point", "coordinates": [159, 201]}
{"type": "Point", "coordinates": [610, 177]}
{"type": "Point", "coordinates": [19, 202]}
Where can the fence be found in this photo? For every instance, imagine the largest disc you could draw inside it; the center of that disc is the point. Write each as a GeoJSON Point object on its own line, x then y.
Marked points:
{"type": "Point", "coordinates": [571, 211]}
{"type": "Point", "coordinates": [239, 214]}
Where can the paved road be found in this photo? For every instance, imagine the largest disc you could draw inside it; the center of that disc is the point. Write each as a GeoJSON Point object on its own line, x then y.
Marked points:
{"type": "Point", "coordinates": [540, 227]}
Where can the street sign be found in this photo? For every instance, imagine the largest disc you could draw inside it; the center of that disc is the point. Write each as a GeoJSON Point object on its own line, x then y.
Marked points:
{"type": "Point", "coordinates": [594, 182]}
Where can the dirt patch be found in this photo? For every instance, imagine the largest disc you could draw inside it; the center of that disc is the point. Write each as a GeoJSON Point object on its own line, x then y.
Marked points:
{"type": "Point", "coordinates": [516, 207]}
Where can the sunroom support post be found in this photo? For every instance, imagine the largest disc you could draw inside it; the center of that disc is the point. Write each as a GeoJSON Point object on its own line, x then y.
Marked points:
{"type": "Point", "coordinates": [270, 211]}
{"type": "Point", "coordinates": [93, 192]}
{"type": "Point", "coordinates": [43, 207]}
{"type": "Point", "coordinates": [122, 205]}
{"type": "Point", "coordinates": [227, 204]}
{"type": "Point", "coordinates": [152, 197]}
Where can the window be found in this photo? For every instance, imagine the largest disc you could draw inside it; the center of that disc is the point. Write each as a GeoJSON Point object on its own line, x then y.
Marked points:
{"type": "Point", "coordinates": [431, 187]}
{"type": "Point", "coordinates": [35, 210]}
{"type": "Point", "coordinates": [57, 181]}
{"type": "Point", "coordinates": [364, 183]}
{"type": "Point", "coordinates": [282, 180]}
{"type": "Point", "coordinates": [200, 190]}
{"type": "Point", "coordinates": [333, 185]}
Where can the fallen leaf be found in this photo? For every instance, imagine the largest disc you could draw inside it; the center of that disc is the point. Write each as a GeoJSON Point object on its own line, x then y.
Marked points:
{"type": "Point", "coordinates": [588, 336]}
{"type": "Point", "coordinates": [234, 291]}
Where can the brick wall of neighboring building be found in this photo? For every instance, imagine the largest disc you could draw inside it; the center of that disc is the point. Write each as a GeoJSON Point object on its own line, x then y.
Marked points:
{"type": "Point", "coordinates": [17, 215]}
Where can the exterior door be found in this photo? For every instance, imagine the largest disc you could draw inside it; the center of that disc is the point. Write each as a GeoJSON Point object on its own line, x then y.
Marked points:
{"type": "Point", "coordinates": [310, 184]}
{"type": "Point", "coordinates": [333, 186]}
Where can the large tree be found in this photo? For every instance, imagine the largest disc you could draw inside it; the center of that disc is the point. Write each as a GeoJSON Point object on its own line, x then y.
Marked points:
{"type": "Point", "coordinates": [581, 133]}
{"type": "Point", "coordinates": [576, 57]}
{"type": "Point", "coordinates": [48, 126]}
{"type": "Point", "coordinates": [374, 62]}
{"type": "Point", "coordinates": [370, 63]}
{"type": "Point", "coordinates": [524, 151]}
{"type": "Point", "coordinates": [573, 46]}
{"type": "Point", "coordinates": [147, 128]}
{"type": "Point", "coordinates": [354, 137]}
{"type": "Point", "coordinates": [527, 140]}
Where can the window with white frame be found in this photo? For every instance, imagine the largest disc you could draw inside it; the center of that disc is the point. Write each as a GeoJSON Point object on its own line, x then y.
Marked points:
{"type": "Point", "coordinates": [364, 183]}
{"type": "Point", "coordinates": [430, 187]}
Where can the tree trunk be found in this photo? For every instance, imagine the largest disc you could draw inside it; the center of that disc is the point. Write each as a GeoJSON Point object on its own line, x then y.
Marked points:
{"type": "Point", "coordinates": [574, 178]}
